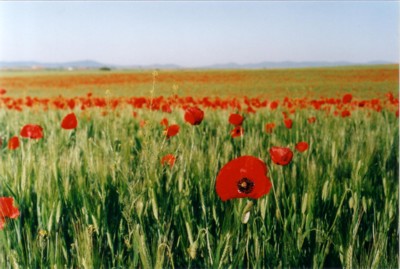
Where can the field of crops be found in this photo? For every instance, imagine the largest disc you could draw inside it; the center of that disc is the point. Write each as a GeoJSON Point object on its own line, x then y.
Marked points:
{"type": "Point", "coordinates": [200, 169]}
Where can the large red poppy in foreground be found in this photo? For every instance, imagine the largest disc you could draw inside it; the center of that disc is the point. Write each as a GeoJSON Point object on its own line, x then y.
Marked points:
{"type": "Point", "coordinates": [281, 156]}
{"type": "Point", "coordinates": [7, 210]}
{"type": "Point", "coordinates": [243, 177]}
{"type": "Point", "coordinates": [32, 131]}
{"type": "Point", "coordinates": [194, 115]}
{"type": "Point", "coordinates": [69, 122]}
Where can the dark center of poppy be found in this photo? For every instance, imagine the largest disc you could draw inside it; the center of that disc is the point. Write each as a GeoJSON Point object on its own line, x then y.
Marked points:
{"type": "Point", "coordinates": [245, 185]}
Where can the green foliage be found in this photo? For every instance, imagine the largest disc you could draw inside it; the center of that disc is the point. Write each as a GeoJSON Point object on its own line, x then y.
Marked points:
{"type": "Point", "coordinates": [98, 197]}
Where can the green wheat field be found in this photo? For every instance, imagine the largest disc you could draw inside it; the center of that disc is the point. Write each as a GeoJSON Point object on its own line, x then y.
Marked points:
{"type": "Point", "coordinates": [98, 196]}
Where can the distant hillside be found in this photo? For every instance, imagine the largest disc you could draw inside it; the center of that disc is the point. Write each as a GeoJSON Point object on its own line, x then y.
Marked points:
{"type": "Point", "coordinates": [64, 65]}
{"type": "Point", "coordinates": [90, 64]}
{"type": "Point", "coordinates": [290, 64]}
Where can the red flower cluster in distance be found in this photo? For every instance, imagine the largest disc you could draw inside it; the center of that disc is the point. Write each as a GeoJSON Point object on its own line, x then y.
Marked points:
{"type": "Point", "coordinates": [243, 177]}
{"type": "Point", "coordinates": [345, 113]}
{"type": "Point", "coordinates": [7, 210]}
{"type": "Point", "coordinates": [347, 98]}
{"type": "Point", "coordinates": [194, 115]}
{"type": "Point", "coordinates": [168, 104]}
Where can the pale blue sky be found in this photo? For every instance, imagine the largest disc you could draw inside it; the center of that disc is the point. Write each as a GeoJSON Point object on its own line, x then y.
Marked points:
{"type": "Point", "coordinates": [199, 33]}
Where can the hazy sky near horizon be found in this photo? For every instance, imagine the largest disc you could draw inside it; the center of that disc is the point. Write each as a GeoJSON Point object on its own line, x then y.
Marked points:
{"type": "Point", "coordinates": [199, 32]}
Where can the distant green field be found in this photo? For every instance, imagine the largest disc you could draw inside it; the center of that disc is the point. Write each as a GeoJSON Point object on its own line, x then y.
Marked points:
{"type": "Point", "coordinates": [361, 81]}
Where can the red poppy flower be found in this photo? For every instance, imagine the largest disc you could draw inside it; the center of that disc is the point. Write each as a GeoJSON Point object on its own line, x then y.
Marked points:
{"type": "Point", "coordinates": [69, 122]}
{"type": "Point", "coordinates": [166, 108]}
{"type": "Point", "coordinates": [32, 131]}
{"type": "Point", "coordinates": [243, 177]}
{"type": "Point", "coordinates": [311, 120]}
{"type": "Point", "coordinates": [362, 103]}
{"type": "Point", "coordinates": [7, 210]}
{"type": "Point", "coordinates": [237, 131]}
{"type": "Point", "coordinates": [172, 130]}
{"type": "Point", "coordinates": [288, 123]}
{"type": "Point", "coordinates": [168, 159]}
{"type": "Point", "coordinates": [236, 119]}
{"type": "Point", "coordinates": [273, 105]}
{"type": "Point", "coordinates": [281, 156]}
{"type": "Point", "coordinates": [302, 146]}
{"type": "Point", "coordinates": [164, 122]}
{"type": "Point", "coordinates": [345, 113]}
{"type": "Point", "coordinates": [194, 115]}
{"type": "Point", "coordinates": [13, 143]}
{"type": "Point", "coordinates": [2, 91]}
{"type": "Point", "coordinates": [347, 98]}
{"type": "Point", "coordinates": [269, 127]}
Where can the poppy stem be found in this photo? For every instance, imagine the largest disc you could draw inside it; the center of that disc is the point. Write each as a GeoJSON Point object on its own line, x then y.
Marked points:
{"type": "Point", "coordinates": [192, 144]}
{"type": "Point", "coordinates": [279, 215]}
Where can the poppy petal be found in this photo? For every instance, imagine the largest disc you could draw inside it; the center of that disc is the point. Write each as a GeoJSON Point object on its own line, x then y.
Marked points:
{"type": "Point", "coordinates": [288, 123]}
{"type": "Point", "coordinates": [168, 159]}
{"type": "Point", "coordinates": [194, 115]}
{"type": "Point", "coordinates": [237, 131]}
{"type": "Point", "coordinates": [302, 146]}
{"type": "Point", "coordinates": [164, 122]}
{"type": "Point", "coordinates": [13, 143]}
{"type": "Point", "coordinates": [32, 131]}
{"type": "Point", "coordinates": [236, 119]}
{"type": "Point", "coordinates": [172, 130]}
{"type": "Point", "coordinates": [69, 122]}
{"type": "Point", "coordinates": [280, 155]}
{"type": "Point", "coordinates": [7, 209]}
